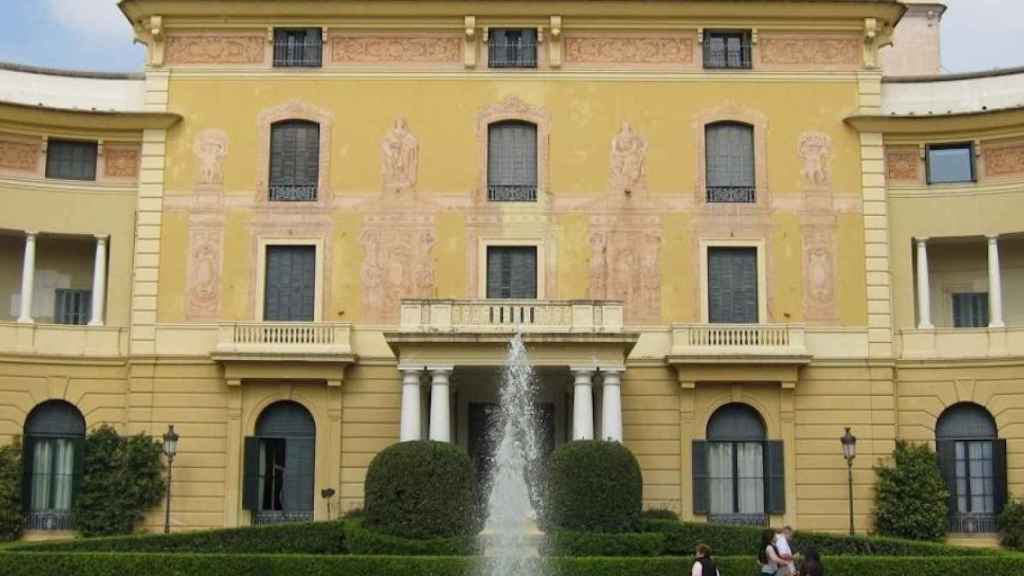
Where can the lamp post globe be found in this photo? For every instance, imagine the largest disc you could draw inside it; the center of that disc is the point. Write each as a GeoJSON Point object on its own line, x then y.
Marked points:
{"type": "Point", "coordinates": [170, 449]}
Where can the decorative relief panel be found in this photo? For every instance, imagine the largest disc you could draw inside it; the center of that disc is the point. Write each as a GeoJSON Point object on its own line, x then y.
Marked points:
{"type": "Point", "coordinates": [819, 273]}
{"type": "Point", "coordinates": [21, 156]}
{"type": "Point", "coordinates": [628, 161]}
{"type": "Point", "coordinates": [809, 51]}
{"type": "Point", "coordinates": [121, 161]}
{"type": "Point", "coordinates": [903, 165]}
{"type": "Point", "coordinates": [215, 49]}
{"type": "Point", "coordinates": [625, 265]}
{"type": "Point", "coordinates": [210, 148]}
{"type": "Point", "coordinates": [396, 264]}
{"type": "Point", "coordinates": [628, 50]}
{"type": "Point", "coordinates": [399, 156]}
{"type": "Point", "coordinates": [1004, 159]}
{"type": "Point", "coordinates": [816, 158]}
{"type": "Point", "coordinates": [396, 49]}
{"type": "Point", "coordinates": [206, 247]}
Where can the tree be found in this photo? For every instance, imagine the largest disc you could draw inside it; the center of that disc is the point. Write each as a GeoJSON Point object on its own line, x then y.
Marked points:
{"type": "Point", "coordinates": [911, 496]}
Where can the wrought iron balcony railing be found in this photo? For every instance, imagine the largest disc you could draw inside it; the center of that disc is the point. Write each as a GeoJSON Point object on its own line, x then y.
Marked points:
{"type": "Point", "coordinates": [293, 192]}
{"type": "Point", "coordinates": [306, 54]}
{"type": "Point", "coordinates": [732, 57]}
{"type": "Point", "coordinates": [512, 55]}
{"type": "Point", "coordinates": [50, 520]}
{"type": "Point", "coordinates": [732, 194]}
{"type": "Point", "coordinates": [511, 193]}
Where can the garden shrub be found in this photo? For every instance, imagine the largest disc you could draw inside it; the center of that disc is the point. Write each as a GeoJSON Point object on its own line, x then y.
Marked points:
{"type": "Point", "coordinates": [594, 486]}
{"type": "Point", "coordinates": [298, 538]}
{"type": "Point", "coordinates": [123, 478]}
{"type": "Point", "coordinates": [632, 544]}
{"type": "Point", "coordinates": [911, 497]}
{"type": "Point", "coordinates": [420, 489]}
{"type": "Point", "coordinates": [362, 540]}
{"type": "Point", "coordinates": [659, 514]}
{"type": "Point", "coordinates": [11, 520]}
{"type": "Point", "coordinates": [1011, 525]}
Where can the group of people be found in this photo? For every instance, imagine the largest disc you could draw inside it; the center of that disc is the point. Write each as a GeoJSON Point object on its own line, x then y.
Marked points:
{"type": "Point", "coordinates": [775, 557]}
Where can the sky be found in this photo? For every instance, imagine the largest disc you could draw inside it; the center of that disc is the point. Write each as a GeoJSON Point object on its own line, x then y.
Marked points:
{"type": "Point", "coordinates": [94, 35]}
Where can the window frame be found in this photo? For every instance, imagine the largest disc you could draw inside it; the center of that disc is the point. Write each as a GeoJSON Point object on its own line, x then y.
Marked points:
{"type": "Point", "coordinates": [984, 296]}
{"type": "Point", "coordinates": [971, 150]}
{"type": "Point", "coordinates": [85, 299]}
{"type": "Point", "coordinates": [760, 246]}
{"type": "Point", "coordinates": [753, 192]}
{"type": "Point", "coordinates": [261, 272]}
{"type": "Point", "coordinates": [49, 518]}
{"type": "Point", "coordinates": [974, 431]}
{"type": "Point", "coordinates": [305, 61]}
{"type": "Point", "coordinates": [69, 144]}
{"type": "Point", "coordinates": [518, 63]}
{"type": "Point", "coordinates": [487, 243]}
{"type": "Point", "coordinates": [293, 123]}
{"type": "Point", "coordinates": [746, 54]}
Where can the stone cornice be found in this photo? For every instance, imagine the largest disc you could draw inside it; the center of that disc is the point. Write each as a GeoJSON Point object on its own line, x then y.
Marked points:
{"type": "Point", "coordinates": [87, 120]}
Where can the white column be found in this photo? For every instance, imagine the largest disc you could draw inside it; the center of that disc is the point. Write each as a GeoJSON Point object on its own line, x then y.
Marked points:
{"type": "Point", "coordinates": [28, 276]}
{"type": "Point", "coordinates": [440, 405]}
{"type": "Point", "coordinates": [995, 285]}
{"type": "Point", "coordinates": [99, 282]}
{"type": "Point", "coordinates": [611, 405]}
{"type": "Point", "coordinates": [924, 299]}
{"type": "Point", "coordinates": [410, 429]}
{"type": "Point", "coordinates": [583, 404]}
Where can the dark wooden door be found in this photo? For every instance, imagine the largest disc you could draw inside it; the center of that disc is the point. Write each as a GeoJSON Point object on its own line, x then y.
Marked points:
{"type": "Point", "coordinates": [290, 284]}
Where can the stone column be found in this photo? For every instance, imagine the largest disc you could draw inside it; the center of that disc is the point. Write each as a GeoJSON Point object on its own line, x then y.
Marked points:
{"type": "Point", "coordinates": [410, 429]}
{"type": "Point", "coordinates": [583, 404]}
{"type": "Point", "coordinates": [924, 298]}
{"type": "Point", "coordinates": [28, 276]}
{"type": "Point", "coordinates": [995, 285]}
{"type": "Point", "coordinates": [611, 405]}
{"type": "Point", "coordinates": [440, 405]}
{"type": "Point", "coordinates": [99, 282]}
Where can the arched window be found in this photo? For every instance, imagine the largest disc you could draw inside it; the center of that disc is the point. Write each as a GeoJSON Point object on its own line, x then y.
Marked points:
{"type": "Point", "coordinates": [512, 162]}
{"type": "Point", "coordinates": [739, 476]}
{"type": "Point", "coordinates": [294, 160]}
{"type": "Point", "coordinates": [280, 465]}
{"type": "Point", "coordinates": [54, 433]}
{"type": "Point", "coordinates": [729, 149]}
{"type": "Point", "coordinates": [973, 463]}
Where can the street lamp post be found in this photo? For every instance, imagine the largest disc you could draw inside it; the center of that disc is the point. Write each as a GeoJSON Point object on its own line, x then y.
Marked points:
{"type": "Point", "coordinates": [170, 449]}
{"type": "Point", "coordinates": [850, 452]}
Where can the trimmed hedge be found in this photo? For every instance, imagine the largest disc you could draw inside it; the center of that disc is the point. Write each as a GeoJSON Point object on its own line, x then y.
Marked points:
{"type": "Point", "coordinates": [594, 486]}
{"type": "Point", "coordinates": [631, 544]}
{"type": "Point", "coordinates": [360, 540]}
{"type": "Point", "coordinates": [421, 489]}
{"type": "Point", "coordinates": [304, 538]}
{"type": "Point", "coordinates": [106, 564]}
{"type": "Point", "coordinates": [11, 519]}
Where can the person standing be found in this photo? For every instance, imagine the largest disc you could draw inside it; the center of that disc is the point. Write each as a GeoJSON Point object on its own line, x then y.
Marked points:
{"type": "Point", "coordinates": [703, 565]}
{"type": "Point", "coordinates": [785, 552]}
{"type": "Point", "coordinates": [812, 565]}
{"type": "Point", "coordinates": [768, 556]}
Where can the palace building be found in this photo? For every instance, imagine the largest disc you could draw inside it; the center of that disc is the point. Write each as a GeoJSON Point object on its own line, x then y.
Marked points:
{"type": "Point", "coordinates": [726, 230]}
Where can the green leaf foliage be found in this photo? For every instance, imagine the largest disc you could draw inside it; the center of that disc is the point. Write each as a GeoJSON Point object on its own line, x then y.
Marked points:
{"type": "Point", "coordinates": [421, 489]}
{"type": "Point", "coordinates": [11, 520]}
{"type": "Point", "coordinates": [631, 544]}
{"type": "Point", "coordinates": [360, 540]}
{"type": "Point", "coordinates": [595, 486]}
{"type": "Point", "coordinates": [1011, 525]}
{"type": "Point", "coordinates": [911, 496]}
{"type": "Point", "coordinates": [123, 478]}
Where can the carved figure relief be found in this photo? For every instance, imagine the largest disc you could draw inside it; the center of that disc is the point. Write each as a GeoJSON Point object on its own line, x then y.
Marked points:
{"type": "Point", "coordinates": [210, 148]}
{"type": "Point", "coordinates": [399, 158]}
{"type": "Point", "coordinates": [204, 274]}
{"type": "Point", "coordinates": [810, 51]}
{"type": "Point", "coordinates": [624, 265]}
{"type": "Point", "coordinates": [396, 264]}
{"type": "Point", "coordinates": [605, 50]}
{"type": "Point", "coordinates": [215, 49]}
{"type": "Point", "coordinates": [816, 154]}
{"type": "Point", "coordinates": [19, 155]}
{"type": "Point", "coordinates": [1005, 160]}
{"type": "Point", "coordinates": [628, 158]}
{"type": "Point", "coordinates": [903, 165]}
{"type": "Point", "coordinates": [395, 49]}
{"type": "Point", "coordinates": [819, 274]}
{"type": "Point", "coordinates": [121, 162]}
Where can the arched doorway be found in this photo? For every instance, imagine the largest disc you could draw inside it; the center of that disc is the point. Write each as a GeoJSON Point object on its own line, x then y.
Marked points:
{"type": "Point", "coordinates": [973, 463]}
{"type": "Point", "coordinates": [54, 433]}
{"type": "Point", "coordinates": [280, 465]}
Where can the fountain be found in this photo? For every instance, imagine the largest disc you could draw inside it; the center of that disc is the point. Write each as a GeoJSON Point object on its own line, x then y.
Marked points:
{"type": "Point", "coordinates": [510, 539]}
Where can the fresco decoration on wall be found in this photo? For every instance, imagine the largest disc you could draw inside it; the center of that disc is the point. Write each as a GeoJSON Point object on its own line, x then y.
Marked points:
{"type": "Point", "coordinates": [396, 49]}
{"type": "Point", "coordinates": [903, 165]}
{"type": "Point", "coordinates": [120, 162]}
{"type": "Point", "coordinates": [1004, 160]}
{"type": "Point", "coordinates": [23, 156]}
{"type": "Point", "coordinates": [211, 148]}
{"type": "Point", "coordinates": [399, 158]}
{"type": "Point", "coordinates": [810, 51]}
{"type": "Point", "coordinates": [215, 49]}
{"type": "Point", "coordinates": [625, 253]}
{"type": "Point", "coordinates": [628, 50]}
{"type": "Point", "coordinates": [816, 156]}
{"type": "Point", "coordinates": [397, 264]}
{"type": "Point", "coordinates": [819, 274]}
{"type": "Point", "coordinates": [204, 273]}
{"type": "Point", "coordinates": [628, 162]}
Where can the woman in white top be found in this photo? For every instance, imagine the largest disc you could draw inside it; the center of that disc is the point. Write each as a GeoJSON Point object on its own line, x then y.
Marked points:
{"type": "Point", "coordinates": [704, 565]}
{"type": "Point", "coordinates": [771, 563]}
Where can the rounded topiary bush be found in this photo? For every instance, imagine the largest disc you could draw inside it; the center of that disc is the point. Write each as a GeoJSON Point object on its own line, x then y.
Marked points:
{"type": "Point", "coordinates": [420, 489]}
{"type": "Point", "coordinates": [594, 486]}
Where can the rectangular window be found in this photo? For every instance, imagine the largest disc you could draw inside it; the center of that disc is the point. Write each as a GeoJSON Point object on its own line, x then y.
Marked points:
{"type": "Point", "coordinates": [298, 47]}
{"type": "Point", "coordinates": [289, 295]}
{"type": "Point", "coordinates": [950, 163]}
{"type": "Point", "coordinates": [294, 161]}
{"type": "Point", "coordinates": [970, 310]}
{"type": "Point", "coordinates": [52, 483]}
{"type": "Point", "coordinates": [72, 306]}
{"type": "Point", "coordinates": [729, 157]}
{"type": "Point", "coordinates": [512, 272]}
{"type": "Point", "coordinates": [732, 285]}
{"type": "Point", "coordinates": [71, 160]}
{"type": "Point", "coordinates": [727, 50]}
{"type": "Point", "coordinates": [512, 48]}
{"type": "Point", "coordinates": [512, 162]}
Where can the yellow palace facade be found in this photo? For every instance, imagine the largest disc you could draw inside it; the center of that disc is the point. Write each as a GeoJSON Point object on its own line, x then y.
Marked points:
{"type": "Point", "coordinates": [726, 230]}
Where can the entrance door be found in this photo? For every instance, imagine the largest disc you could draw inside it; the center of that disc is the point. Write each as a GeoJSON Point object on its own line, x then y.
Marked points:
{"type": "Point", "coordinates": [484, 418]}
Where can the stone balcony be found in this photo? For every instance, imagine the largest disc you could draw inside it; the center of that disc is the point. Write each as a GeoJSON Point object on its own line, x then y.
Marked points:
{"type": "Point", "coordinates": [63, 340]}
{"type": "Point", "coordinates": [511, 316]}
{"type": "Point", "coordinates": [739, 344]}
{"type": "Point", "coordinates": [961, 343]}
{"type": "Point", "coordinates": [276, 341]}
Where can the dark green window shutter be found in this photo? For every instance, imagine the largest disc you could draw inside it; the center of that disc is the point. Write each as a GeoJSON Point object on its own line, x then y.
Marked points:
{"type": "Point", "coordinates": [775, 463]}
{"type": "Point", "coordinates": [294, 160]}
{"type": "Point", "coordinates": [512, 272]}
{"type": "Point", "coordinates": [79, 469]}
{"type": "Point", "coordinates": [732, 285]}
{"type": "Point", "coordinates": [27, 452]}
{"type": "Point", "coordinates": [299, 474]}
{"type": "Point", "coordinates": [251, 474]}
{"type": "Point", "coordinates": [946, 452]}
{"type": "Point", "coordinates": [701, 497]}
{"type": "Point", "coordinates": [289, 292]}
{"type": "Point", "coordinates": [999, 475]}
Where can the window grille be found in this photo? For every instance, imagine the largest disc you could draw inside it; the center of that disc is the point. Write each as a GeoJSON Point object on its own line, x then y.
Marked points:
{"type": "Point", "coordinates": [298, 48]}
{"type": "Point", "coordinates": [512, 162]}
{"type": "Point", "coordinates": [294, 161]}
{"type": "Point", "coordinates": [727, 50]}
{"type": "Point", "coordinates": [730, 162]}
{"type": "Point", "coordinates": [509, 48]}
{"type": "Point", "coordinates": [71, 160]}
{"type": "Point", "coordinates": [72, 306]}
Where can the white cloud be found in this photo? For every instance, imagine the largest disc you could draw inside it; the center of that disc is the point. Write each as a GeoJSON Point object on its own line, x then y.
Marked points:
{"type": "Point", "coordinates": [97, 20]}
